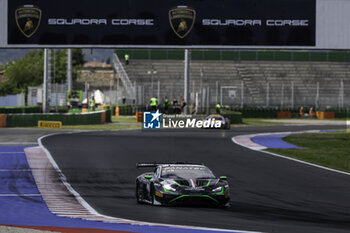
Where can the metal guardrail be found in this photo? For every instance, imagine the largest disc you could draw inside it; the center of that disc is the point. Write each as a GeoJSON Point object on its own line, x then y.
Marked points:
{"type": "Point", "coordinates": [129, 87]}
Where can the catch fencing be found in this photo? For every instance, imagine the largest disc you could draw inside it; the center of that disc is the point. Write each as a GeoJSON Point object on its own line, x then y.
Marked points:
{"type": "Point", "coordinates": [275, 94]}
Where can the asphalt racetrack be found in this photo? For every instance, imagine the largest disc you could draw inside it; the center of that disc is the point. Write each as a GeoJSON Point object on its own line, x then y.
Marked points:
{"type": "Point", "coordinates": [268, 193]}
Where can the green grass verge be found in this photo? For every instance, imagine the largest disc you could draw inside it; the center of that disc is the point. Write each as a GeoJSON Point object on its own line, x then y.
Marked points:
{"type": "Point", "coordinates": [258, 122]}
{"type": "Point", "coordinates": [326, 149]}
{"type": "Point", "coordinates": [101, 127]}
{"type": "Point", "coordinates": [124, 119]}
{"type": "Point", "coordinates": [266, 122]}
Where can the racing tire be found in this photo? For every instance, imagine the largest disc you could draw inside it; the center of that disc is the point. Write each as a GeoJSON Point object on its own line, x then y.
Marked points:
{"type": "Point", "coordinates": [138, 194]}
{"type": "Point", "coordinates": [151, 193]}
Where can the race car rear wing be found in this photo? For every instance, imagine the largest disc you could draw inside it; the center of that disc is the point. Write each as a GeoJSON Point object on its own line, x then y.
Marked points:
{"type": "Point", "coordinates": [155, 164]}
{"type": "Point", "coordinates": [147, 164]}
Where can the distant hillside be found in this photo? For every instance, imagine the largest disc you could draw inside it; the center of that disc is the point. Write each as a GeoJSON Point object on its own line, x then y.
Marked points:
{"type": "Point", "coordinates": [100, 55]}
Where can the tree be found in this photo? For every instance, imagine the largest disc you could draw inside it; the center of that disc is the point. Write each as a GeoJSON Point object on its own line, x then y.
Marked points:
{"type": "Point", "coordinates": [28, 71]}
{"type": "Point", "coordinates": [7, 88]}
{"type": "Point", "coordinates": [60, 68]}
{"type": "Point", "coordinates": [77, 62]}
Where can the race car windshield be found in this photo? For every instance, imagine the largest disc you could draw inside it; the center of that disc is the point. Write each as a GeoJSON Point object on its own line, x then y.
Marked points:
{"type": "Point", "coordinates": [187, 172]}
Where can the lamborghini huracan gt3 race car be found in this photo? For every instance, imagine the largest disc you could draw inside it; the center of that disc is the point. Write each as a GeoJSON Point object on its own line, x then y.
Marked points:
{"type": "Point", "coordinates": [181, 183]}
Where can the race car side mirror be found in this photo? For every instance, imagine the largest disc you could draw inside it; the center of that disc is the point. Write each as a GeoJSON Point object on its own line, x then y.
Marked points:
{"type": "Point", "coordinates": [223, 177]}
{"type": "Point", "coordinates": [148, 177]}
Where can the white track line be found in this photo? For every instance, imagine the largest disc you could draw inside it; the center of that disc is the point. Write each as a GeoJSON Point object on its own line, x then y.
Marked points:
{"type": "Point", "coordinates": [237, 140]}
{"type": "Point", "coordinates": [105, 218]}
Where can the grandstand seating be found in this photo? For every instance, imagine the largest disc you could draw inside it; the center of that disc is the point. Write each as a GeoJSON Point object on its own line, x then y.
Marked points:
{"type": "Point", "coordinates": [255, 76]}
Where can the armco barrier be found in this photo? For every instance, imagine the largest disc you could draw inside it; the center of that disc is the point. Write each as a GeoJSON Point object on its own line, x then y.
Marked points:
{"type": "Point", "coordinates": [31, 120]}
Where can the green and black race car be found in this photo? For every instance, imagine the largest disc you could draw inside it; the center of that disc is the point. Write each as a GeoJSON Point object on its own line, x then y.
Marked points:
{"type": "Point", "coordinates": [181, 183]}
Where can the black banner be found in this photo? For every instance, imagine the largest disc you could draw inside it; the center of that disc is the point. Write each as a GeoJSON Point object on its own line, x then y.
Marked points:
{"type": "Point", "coordinates": [162, 22]}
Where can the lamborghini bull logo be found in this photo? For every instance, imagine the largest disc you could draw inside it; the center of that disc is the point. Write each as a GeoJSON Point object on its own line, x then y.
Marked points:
{"type": "Point", "coordinates": [28, 26]}
{"type": "Point", "coordinates": [28, 19]}
{"type": "Point", "coordinates": [182, 26]}
{"type": "Point", "coordinates": [182, 20]}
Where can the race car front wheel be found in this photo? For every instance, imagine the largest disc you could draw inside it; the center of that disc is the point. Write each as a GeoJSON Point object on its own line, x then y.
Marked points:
{"type": "Point", "coordinates": [138, 193]}
{"type": "Point", "coordinates": [151, 193]}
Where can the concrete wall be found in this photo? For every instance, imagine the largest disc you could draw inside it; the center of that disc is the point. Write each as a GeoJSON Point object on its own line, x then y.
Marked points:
{"type": "Point", "coordinates": [12, 100]}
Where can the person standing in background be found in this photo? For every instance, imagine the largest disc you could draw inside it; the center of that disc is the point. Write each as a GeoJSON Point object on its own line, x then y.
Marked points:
{"type": "Point", "coordinates": [301, 112]}
{"type": "Point", "coordinates": [218, 108]}
{"type": "Point", "coordinates": [126, 56]}
{"type": "Point", "coordinates": [92, 103]}
{"type": "Point", "coordinates": [153, 103]}
{"type": "Point", "coordinates": [166, 104]}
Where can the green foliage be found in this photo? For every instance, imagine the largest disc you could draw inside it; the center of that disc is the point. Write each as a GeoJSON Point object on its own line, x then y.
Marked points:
{"type": "Point", "coordinates": [60, 66]}
{"type": "Point", "coordinates": [77, 62]}
{"type": "Point", "coordinates": [23, 109]}
{"type": "Point", "coordinates": [8, 88]}
{"type": "Point", "coordinates": [60, 61]}
{"type": "Point", "coordinates": [28, 71]}
{"type": "Point", "coordinates": [127, 109]}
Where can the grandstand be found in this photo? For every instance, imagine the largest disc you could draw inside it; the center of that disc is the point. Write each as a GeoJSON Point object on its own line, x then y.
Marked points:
{"type": "Point", "coordinates": [260, 83]}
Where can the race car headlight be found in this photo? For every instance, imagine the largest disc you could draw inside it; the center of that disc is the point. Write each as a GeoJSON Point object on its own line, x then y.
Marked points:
{"type": "Point", "coordinates": [169, 188]}
{"type": "Point", "coordinates": [218, 189]}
